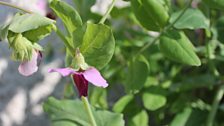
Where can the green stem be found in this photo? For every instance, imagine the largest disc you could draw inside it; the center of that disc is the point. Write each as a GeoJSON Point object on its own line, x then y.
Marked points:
{"type": "Point", "coordinates": [70, 48]}
{"type": "Point", "coordinates": [215, 104]}
{"type": "Point", "coordinates": [165, 29]}
{"type": "Point", "coordinates": [148, 45]}
{"type": "Point", "coordinates": [103, 19]}
{"type": "Point", "coordinates": [89, 111]}
{"type": "Point", "coordinates": [14, 6]}
{"type": "Point", "coordinates": [210, 62]}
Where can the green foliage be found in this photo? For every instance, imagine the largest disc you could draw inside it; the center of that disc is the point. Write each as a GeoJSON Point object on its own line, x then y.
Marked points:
{"type": "Point", "coordinates": [26, 22]}
{"type": "Point", "coordinates": [32, 26]}
{"type": "Point", "coordinates": [120, 105]}
{"type": "Point", "coordinates": [96, 41]}
{"type": "Point", "coordinates": [98, 45]}
{"type": "Point", "coordinates": [137, 74]}
{"type": "Point", "coordinates": [98, 98]}
{"type": "Point", "coordinates": [23, 33]}
{"type": "Point", "coordinates": [84, 8]}
{"type": "Point", "coordinates": [69, 16]}
{"type": "Point", "coordinates": [176, 46]}
{"type": "Point", "coordinates": [72, 113]}
{"type": "Point", "coordinates": [216, 4]}
{"type": "Point", "coordinates": [3, 32]}
{"type": "Point", "coordinates": [154, 98]}
{"type": "Point", "coordinates": [190, 117]}
{"type": "Point", "coordinates": [191, 19]}
{"type": "Point", "coordinates": [151, 14]}
{"type": "Point", "coordinates": [22, 48]}
{"type": "Point", "coordinates": [169, 93]}
{"type": "Point", "coordinates": [140, 119]}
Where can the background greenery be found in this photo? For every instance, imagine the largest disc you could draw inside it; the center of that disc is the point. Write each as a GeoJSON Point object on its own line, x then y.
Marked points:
{"type": "Point", "coordinates": [172, 78]}
{"type": "Point", "coordinates": [165, 62]}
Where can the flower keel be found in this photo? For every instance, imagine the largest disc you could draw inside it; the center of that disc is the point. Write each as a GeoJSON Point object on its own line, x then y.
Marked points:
{"type": "Point", "coordinates": [81, 84]}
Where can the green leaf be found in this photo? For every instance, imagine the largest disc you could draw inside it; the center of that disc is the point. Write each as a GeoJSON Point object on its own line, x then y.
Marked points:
{"type": "Point", "coordinates": [38, 34]}
{"type": "Point", "coordinates": [106, 118]}
{"type": "Point", "coordinates": [158, 11]}
{"type": "Point", "coordinates": [4, 32]}
{"type": "Point", "coordinates": [176, 46]}
{"type": "Point", "coordinates": [73, 113]}
{"type": "Point", "coordinates": [137, 74]}
{"type": "Point", "coordinates": [216, 4]}
{"type": "Point", "coordinates": [98, 45]}
{"type": "Point", "coordinates": [64, 123]}
{"type": "Point", "coordinates": [191, 19]}
{"type": "Point", "coordinates": [26, 22]}
{"type": "Point", "coordinates": [32, 26]}
{"type": "Point", "coordinates": [140, 119]}
{"type": "Point", "coordinates": [193, 82]}
{"type": "Point", "coordinates": [154, 98]}
{"type": "Point", "coordinates": [190, 117]}
{"type": "Point", "coordinates": [84, 8]}
{"type": "Point", "coordinates": [122, 103]}
{"type": "Point", "coordinates": [79, 34]}
{"type": "Point", "coordinates": [151, 14]}
{"type": "Point", "coordinates": [220, 29]}
{"type": "Point", "coordinates": [98, 98]}
{"type": "Point", "coordinates": [68, 15]}
{"type": "Point", "coordinates": [182, 118]}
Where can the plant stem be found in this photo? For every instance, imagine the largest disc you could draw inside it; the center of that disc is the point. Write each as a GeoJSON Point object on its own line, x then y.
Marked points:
{"type": "Point", "coordinates": [210, 62]}
{"type": "Point", "coordinates": [70, 48]}
{"type": "Point", "coordinates": [215, 104]}
{"type": "Point", "coordinates": [165, 29]}
{"type": "Point", "coordinates": [89, 111]}
{"type": "Point", "coordinates": [14, 6]}
{"type": "Point", "coordinates": [103, 19]}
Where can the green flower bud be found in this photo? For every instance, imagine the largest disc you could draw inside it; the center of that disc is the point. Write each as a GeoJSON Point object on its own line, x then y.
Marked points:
{"type": "Point", "coordinates": [22, 47]}
{"type": "Point", "coordinates": [79, 61]}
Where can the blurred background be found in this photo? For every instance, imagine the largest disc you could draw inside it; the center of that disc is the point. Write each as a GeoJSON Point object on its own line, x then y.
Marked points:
{"type": "Point", "coordinates": [168, 93]}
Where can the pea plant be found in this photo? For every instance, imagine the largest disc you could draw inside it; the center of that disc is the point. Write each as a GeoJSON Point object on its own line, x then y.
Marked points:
{"type": "Point", "coordinates": [152, 62]}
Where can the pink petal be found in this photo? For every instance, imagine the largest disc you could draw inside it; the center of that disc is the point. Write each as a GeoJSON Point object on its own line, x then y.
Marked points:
{"type": "Point", "coordinates": [63, 71]}
{"type": "Point", "coordinates": [41, 7]}
{"type": "Point", "coordinates": [27, 68]}
{"type": "Point", "coordinates": [94, 76]}
{"type": "Point", "coordinates": [41, 4]}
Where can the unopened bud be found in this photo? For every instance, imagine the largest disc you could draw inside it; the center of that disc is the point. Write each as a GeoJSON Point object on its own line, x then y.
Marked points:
{"type": "Point", "coordinates": [79, 61]}
{"type": "Point", "coordinates": [22, 47]}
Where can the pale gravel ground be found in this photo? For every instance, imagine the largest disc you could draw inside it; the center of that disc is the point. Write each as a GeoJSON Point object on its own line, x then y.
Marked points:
{"type": "Point", "coordinates": [21, 97]}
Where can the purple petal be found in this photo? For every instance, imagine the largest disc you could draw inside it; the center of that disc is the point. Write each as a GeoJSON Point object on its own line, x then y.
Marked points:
{"type": "Point", "coordinates": [81, 84]}
{"type": "Point", "coordinates": [27, 68]}
{"type": "Point", "coordinates": [63, 71]}
{"type": "Point", "coordinates": [94, 76]}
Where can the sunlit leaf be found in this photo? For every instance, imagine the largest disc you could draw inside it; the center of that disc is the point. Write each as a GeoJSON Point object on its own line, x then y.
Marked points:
{"type": "Point", "coordinates": [191, 19]}
{"type": "Point", "coordinates": [176, 46]}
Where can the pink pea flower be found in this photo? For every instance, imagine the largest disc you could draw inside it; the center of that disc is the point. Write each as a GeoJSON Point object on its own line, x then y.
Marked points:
{"type": "Point", "coordinates": [81, 78]}
{"type": "Point", "coordinates": [27, 68]}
